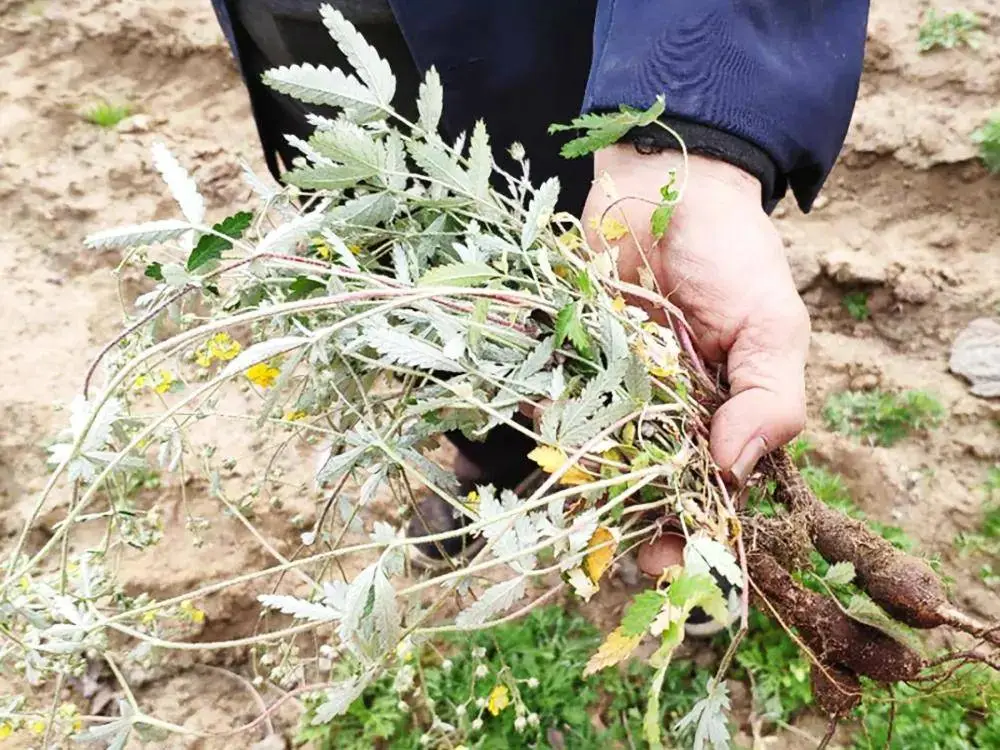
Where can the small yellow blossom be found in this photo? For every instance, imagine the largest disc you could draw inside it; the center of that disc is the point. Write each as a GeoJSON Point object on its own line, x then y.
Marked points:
{"type": "Point", "coordinates": [223, 346]}
{"type": "Point", "coordinates": [618, 304]}
{"type": "Point", "coordinates": [322, 249]}
{"type": "Point", "coordinates": [294, 415]}
{"type": "Point", "coordinates": [164, 382]}
{"type": "Point", "coordinates": [472, 499]}
{"type": "Point", "coordinates": [499, 699]}
{"type": "Point", "coordinates": [37, 726]}
{"type": "Point", "coordinates": [263, 374]}
{"type": "Point", "coordinates": [356, 249]}
{"type": "Point", "coordinates": [6, 730]}
{"type": "Point", "coordinates": [140, 382]}
{"type": "Point", "coordinates": [570, 240]}
{"type": "Point", "coordinates": [148, 618]}
{"type": "Point", "coordinates": [192, 613]}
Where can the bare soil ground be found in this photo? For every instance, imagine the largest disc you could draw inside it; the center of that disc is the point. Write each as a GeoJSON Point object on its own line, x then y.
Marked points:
{"type": "Point", "coordinates": [909, 213]}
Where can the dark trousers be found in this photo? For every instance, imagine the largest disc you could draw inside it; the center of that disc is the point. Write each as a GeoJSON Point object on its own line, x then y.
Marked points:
{"type": "Point", "coordinates": [270, 34]}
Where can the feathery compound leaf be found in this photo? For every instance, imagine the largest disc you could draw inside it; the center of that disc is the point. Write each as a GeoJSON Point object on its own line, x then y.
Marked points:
{"type": "Point", "coordinates": [601, 130]}
{"type": "Point", "coordinates": [351, 145]}
{"type": "Point", "coordinates": [495, 600]}
{"type": "Point", "coordinates": [539, 211]}
{"type": "Point", "coordinates": [400, 348]}
{"type": "Point", "coordinates": [210, 247]}
{"type": "Point", "coordinates": [430, 101]}
{"type": "Point", "coordinates": [180, 184]}
{"type": "Point", "coordinates": [318, 84]}
{"type": "Point", "coordinates": [371, 68]}
{"type": "Point", "coordinates": [480, 160]}
{"type": "Point", "coordinates": [150, 233]}
{"type": "Point", "coordinates": [439, 165]}
{"type": "Point", "coordinates": [708, 717]}
{"type": "Point", "coordinates": [300, 608]}
{"type": "Point", "coordinates": [458, 274]}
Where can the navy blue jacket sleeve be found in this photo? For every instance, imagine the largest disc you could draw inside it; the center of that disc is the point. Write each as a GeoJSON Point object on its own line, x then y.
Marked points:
{"type": "Point", "coordinates": [780, 74]}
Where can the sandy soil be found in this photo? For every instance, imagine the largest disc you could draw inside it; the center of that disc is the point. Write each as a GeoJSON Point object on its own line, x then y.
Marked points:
{"type": "Point", "coordinates": [908, 213]}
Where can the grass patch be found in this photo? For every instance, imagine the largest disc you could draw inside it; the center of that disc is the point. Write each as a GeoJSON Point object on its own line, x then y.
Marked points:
{"type": "Point", "coordinates": [988, 138]}
{"type": "Point", "coordinates": [882, 418]}
{"type": "Point", "coordinates": [550, 645]}
{"type": "Point", "coordinates": [986, 539]}
{"type": "Point", "coordinates": [949, 30]}
{"type": "Point", "coordinates": [107, 114]}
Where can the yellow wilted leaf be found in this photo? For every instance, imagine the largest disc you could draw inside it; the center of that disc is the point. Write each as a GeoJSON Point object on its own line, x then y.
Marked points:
{"type": "Point", "coordinates": [616, 648]}
{"type": "Point", "coordinates": [618, 304]}
{"type": "Point", "coordinates": [499, 699]}
{"type": "Point", "coordinates": [552, 460]}
{"type": "Point", "coordinates": [611, 229]}
{"type": "Point", "coordinates": [602, 545]}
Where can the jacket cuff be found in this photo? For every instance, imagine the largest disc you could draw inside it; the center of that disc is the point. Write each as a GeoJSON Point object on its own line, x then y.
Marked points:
{"type": "Point", "coordinates": [717, 144]}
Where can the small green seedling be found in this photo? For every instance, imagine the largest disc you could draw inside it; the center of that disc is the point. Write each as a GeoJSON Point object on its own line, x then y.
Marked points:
{"type": "Point", "coordinates": [107, 114]}
{"type": "Point", "coordinates": [988, 138]}
{"type": "Point", "coordinates": [949, 31]}
{"type": "Point", "coordinates": [856, 304]}
{"type": "Point", "coordinates": [881, 418]}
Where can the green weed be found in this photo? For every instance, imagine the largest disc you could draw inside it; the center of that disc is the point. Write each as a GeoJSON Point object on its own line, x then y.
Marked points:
{"type": "Point", "coordinates": [988, 138]}
{"type": "Point", "coordinates": [882, 418]}
{"type": "Point", "coordinates": [551, 645]}
{"type": "Point", "coordinates": [856, 304]}
{"type": "Point", "coordinates": [949, 31]}
{"type": "Point", "coordinates": [986, 540]}
{"type": "Point", "coordinates": [107, 114]}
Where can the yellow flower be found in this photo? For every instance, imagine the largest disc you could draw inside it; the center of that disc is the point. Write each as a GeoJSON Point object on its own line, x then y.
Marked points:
{"type": "Point", "coordinates": [192, 613]}
{"type": "Point", "coordinates": [37, 726]}
{"type": "Point", "coordinates": [570, 240]}
{"type": "Point", "coordinates": [140, 382]}
{"type": "Point", "coordinates": [263, 374]}
{"type": "Point", "coordinates": [148, 618]}
{"type": "Point", "coordinates": [472, 499]}
{"type": "Point", "coordinates": [6, 730]}
{"type": "Point", "coordinates": [223, 346]}
{"type": "Point", "coordinates": [322, 249]}
{"type": "Point", "coordinates": [294, 415]}
{"type": "Point", "coordinates": [618, 304]}
{"type": "Point", "coordinates": [165, 381]}
{"type": "Point", "coordinates": [499, 699]}
{"type": "Point", "coordinates": [356, 249]}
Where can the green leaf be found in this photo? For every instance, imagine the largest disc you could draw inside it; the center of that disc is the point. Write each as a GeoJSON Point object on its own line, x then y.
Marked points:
{"type": "Point", "coordinates": [641, 612]}
{"type": "Point", "coordinates": [660, 220]}
{"type": "Point", "coordinates": [569, 326]}
{"type": "Point", "coordinates": [699, 590]}
{"type": "Point", "coordinates": [210, 247]}
{"type": "Point", "coordinates": [601, 130]}
{"type": "Point", "coordinates": [584, 284]}
{"type": "Point", "coordinates": [840, 574]}
{"type": "Point", "coordinates": [154, 271]}
{"type": "Point", "coordinates": [863, 609]}
{"type": "Point", "coordinates": [302, 287]}
{"type": "Point", "coordinates": [458, 274]}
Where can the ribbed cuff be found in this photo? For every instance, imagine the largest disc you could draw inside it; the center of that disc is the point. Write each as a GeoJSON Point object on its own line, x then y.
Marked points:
{"type": "Point", "coordinates": [717, 144]}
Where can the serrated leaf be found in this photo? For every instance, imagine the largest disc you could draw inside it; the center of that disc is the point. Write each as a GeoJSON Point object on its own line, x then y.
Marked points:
{"type": "Point", "coordinates": [327, 177]}
{"type": "Point", "coordinates": [318, 84]}
{"type": "Point", "coordinates": [539, 211]}
{"type": "Point", "coordinates": [840, 574]}
{"type": "Point", "coordinates": [401, 348]}
{"type": "Point", "coordinates": [300, 608]}
{"type": "Point", "coordinates": [702, 554]}
{"type": "Point", "coordinates": [148, 233]}
{"type": "Point", "coordinates": [496, 599]}
{"type": "Point", "coordinates": [430, 101]}
{"type": "Point", "coordinates": [569, 326]}
{"type": "Point", "coordinates": [365, 212]}
{"type": "Point", "coordinates": [552, 460]}
{"type": "Point", "coordinates": [601, 130]}
{"type": "Point", "coordinates": [210, 247]}
{"type": "Point", "coordinates": [338, 699]}
{"type": "Point", "coordinates": [480, 161]}
{"type": "Point", "coordinates": [458, 274]}
{"type": "Point", "coordinates": [154, 271]}
{"type": "Point", "coordinates": [179, 182]}
{"type": "Point", "coordinates": [708, 718]}
{"type": "Point", "coordinates": [395, 162]}
{"type": "Point", "coordinates": [659, 221]}
{"type": "Point", "coordinates": [440, 165]}
{"type": "Point", "coordinates": [645, 606]}
{"type": "Point", "coordinates": [351, 145]}
{"type": "Point", "coordinates": [285, 237]}
{"type": "Point", "coordinates": [371, 68]}
{"type": "Point", "coordinates": [690, 590]}
{"type": "Point", "coordinates": [863, 609]}
{"type": "Point", "coordinates": [616, 648]}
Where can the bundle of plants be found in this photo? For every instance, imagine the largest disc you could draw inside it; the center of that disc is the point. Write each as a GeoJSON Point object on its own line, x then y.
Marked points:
{"type": "Point", "coordinates": [402, 289]}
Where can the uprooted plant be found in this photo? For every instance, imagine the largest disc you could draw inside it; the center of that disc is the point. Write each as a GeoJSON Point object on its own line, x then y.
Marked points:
{"type": "Point", "coordinates": [401, 289]}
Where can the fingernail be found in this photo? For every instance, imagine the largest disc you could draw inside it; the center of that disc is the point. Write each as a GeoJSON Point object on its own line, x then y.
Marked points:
{"type": "Point", "coordinates": [745, 463]}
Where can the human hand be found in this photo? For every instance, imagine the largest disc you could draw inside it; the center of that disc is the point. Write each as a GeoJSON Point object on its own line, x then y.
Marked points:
{"type": "Point", "coordinates": [722, 263]}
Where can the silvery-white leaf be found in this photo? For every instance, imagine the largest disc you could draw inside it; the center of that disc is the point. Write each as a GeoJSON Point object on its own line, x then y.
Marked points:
{"type": "Point", "coordinates": [395, 162]}
{"type": "Point", "coordinates": [542, 258]}
{"type": "Point", "coordinates": [351, 145]}
{"type": "Point", "coordinates": [708, 717]}
{"type": "Point", "coordinates": [318, 84]}
{"type": "Point", "coordinates": [702, 554]}
{"type": "Point", "coordinates": [440, 165]}
{"type": "Point", "coordinates": [558, 384]}
{"type": "Point", "coordinates": [171, 450]}
{"type": "Point", "coordinates": [176, 276]}
{"type": "Point", "coordinates": [337, 699]}
{"type": "Point", "coordinates": [494, 601]}
{"type": "Point", "coordinates": [338, 464]}
{"type": "Point", "coordinates": [335, 595]}
{"type": "Point", "coordinates": [430, 101]}
{"type": "Point", "coordinates": [480, 161]}
{"type": "Point", "coordinates": [371, 68]}
{"type": "Point", "coordinates": [179, 182]}
{"type": "Point", "coordinates": [403, 349]}
{"type": "Point", "coordinates": [149, 233]}
{"type": "Point", "coordinates": [582, 530]}
{"type": "Point", "coordinates": [263, 351]}
{"type": "Point", "coordinates": [539, 211]}
{"type": "Point", "coordinates": [261, 189]}
{"type": "Point", "coordinates": [365, 212]}
{"type": "Point", "coordinates": [637, 382]}
{"type": "Point", "coordinates": [392, 558]}
{"type": "Point", "coordinates": [285, 237]}
{"type": "Point", "coordinates": [309, 152]}
{"type": "Point", "coordinates": [300, 608]}
{"type": "Point", "coordinates": [327, 177]}
{"type": "Point", "coordinates": [385, 611]}
{"type": "Point", "coordinates": [401, 264]}
{"type": "Point", "coordinates": [454, 348]}
{"type": "Point", "coordinates": [840, 574]}
{"type": "Point", "coordinates": [372, 484]}
{"type": "Point", "coordinates": [613, 336]}
{"type": "Point", "coordinates": [536, 360]}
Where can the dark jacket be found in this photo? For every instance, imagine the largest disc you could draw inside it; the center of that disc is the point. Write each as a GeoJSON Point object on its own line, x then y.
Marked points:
{"type": "Point", "coordinates": [774, 81]}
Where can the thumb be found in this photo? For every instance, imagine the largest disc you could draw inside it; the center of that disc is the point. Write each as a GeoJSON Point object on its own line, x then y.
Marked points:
{"type": "Point", "coordinates": [767, 404]}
